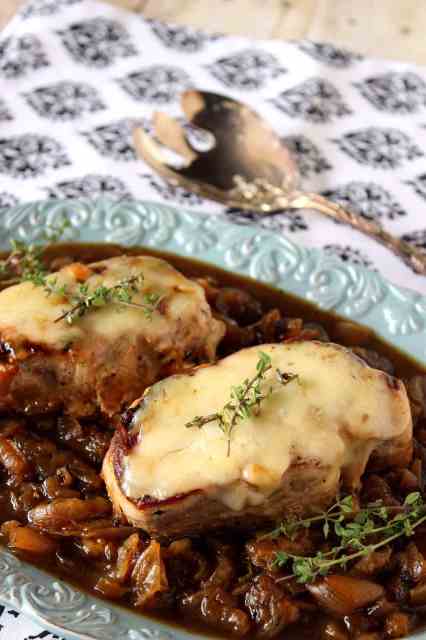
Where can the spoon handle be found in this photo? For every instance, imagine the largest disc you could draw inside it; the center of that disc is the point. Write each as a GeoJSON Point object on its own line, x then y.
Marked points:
{"type": "Point", "coordinates": [412, 256]}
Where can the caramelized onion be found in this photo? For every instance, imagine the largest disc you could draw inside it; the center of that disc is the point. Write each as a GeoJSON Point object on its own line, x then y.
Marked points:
{"type": "Point", "coordinates": [13, 461]}
{"type": "Point", "coordinates": [416, 389]}
{"type": "Point", "coordinates": [53, 488]}
{"type": "Point", "coordinates": [397, 625]}
{"type": "Point", "coordinates": [411, 563]}
{"type": "Point", "coordinates": [60, 513]}
{"type": "Point", "coordinates": [334, 631]}
{"type": "Point", "coordinates": [342, 595]}
{"type": "Point", "coordinates": [109, 532]}
{"type": "Point", "coordinates": [110, 588]}
{"type": "Point", "coordinates": [217, 608]}
{"type": "Point", "coordinates": [83, 472]}
{"type": "Point", "coordinates": [96, 548]}
{"type": "Point", "coordinates": [262, 551]}
{"type": "Point", "coordinates": [149, 576]}
{"type": "Point", "coordinates": [224, 571]}
{"type": "Point", "coordinates": [127, 556]}
{"type": "Point", "coordinates": [269, 607]}
{"type": "Point", "coordinates": [418, 595]}
{"type": "Point", "coordinates": [374, 562]}
{"type": "Point", "coordinates": [31, 541]}
{"type": "Point", "coordinates": [238, 305]}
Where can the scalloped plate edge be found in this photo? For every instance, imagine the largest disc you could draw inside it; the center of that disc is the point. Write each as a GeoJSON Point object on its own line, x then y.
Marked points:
{"type": "Point", "coordinates": [397, 314]}
{"type": "Point", "coordinates": [65, 610]}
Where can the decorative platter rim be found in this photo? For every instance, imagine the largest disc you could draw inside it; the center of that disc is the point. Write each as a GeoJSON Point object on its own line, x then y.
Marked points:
{"type": "Point", "coordinates": [398, 315]}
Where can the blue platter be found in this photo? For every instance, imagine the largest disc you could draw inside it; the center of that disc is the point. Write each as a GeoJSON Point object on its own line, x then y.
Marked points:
{"type": "Point", "coordinates": [398, 315]}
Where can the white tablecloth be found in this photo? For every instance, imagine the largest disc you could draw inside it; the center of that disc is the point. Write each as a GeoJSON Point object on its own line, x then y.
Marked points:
{"type": "Point", "coordinates": [75, 75]}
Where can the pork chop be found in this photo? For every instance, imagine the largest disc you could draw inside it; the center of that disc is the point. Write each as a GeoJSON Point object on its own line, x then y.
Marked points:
{"type": "Point", "coordinates": [309, 438]}
{"type": "Point", "coordinates": [106, 358]}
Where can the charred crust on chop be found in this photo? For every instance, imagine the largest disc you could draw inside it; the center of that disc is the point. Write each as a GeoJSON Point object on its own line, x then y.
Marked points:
{"type": "Point", "coordinates": [392, 382]}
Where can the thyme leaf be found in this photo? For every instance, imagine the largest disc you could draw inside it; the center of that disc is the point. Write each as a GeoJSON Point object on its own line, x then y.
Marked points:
{"type": "Point", "coordinates": [245, 400]}
{"type": "Point", "coordinates": [356, 533]}
{"type": "Point", "coordinates": [25, 261]}
{"type": "Point", "coordinates": [25, 264]}
{"type": "Point", "coordinates": [84, 300]}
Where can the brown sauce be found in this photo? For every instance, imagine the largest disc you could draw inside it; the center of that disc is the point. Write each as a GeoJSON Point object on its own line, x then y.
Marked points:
{"type": "Point", "coordinates": [290, 307]}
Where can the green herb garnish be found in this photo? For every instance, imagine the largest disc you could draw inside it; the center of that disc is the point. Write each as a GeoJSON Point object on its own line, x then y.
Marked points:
{"type": "Point", "coordinates": [245, 400]}
{"type": "Point", "coordinates": [84, 300]}
{"type": "Point", "coordinates": [25, 261]}
{"type": "Point", "coordinates": [357, 534]}
{"type": "Point", "coordinates": [25, 264]}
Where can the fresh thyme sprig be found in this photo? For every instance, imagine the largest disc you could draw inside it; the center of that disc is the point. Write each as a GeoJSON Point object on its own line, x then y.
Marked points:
{"type": "Point", "coordinates": [84, 300]}
{"type": "Point", "coordinates": [25, 264]}
{"type": "Point", "coordinates": [357, 534]}
{"type": "Point", "coordinates": [336, 513]}
{"type": "Point", "coordinates": [245, 400]}
{"type": "Point", "coordinates": [25, 261]}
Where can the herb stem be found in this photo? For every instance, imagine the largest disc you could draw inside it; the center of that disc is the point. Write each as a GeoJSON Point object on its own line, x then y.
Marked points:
{"type": "Point", "coordinates": [120, 294]}
{"type": "Point", "coordinates": [353, 530]}
{"type": "Point", "coordinates": [245, 400]}
{"type": "Point", "coordinates": [352, 556]}
{"type": "Point", "coordinates": [25, 262]}
{"type": "Point", "coordinates": [146, 307]}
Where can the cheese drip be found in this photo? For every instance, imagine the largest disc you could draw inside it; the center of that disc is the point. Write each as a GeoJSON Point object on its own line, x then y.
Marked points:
{"type": "Point", "coordinates": [28, 315]}
{"type": "Point", "coordinates": [334, 416]}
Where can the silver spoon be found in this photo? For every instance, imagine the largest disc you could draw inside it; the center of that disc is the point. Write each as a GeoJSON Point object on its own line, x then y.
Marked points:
{"type": "Point", "coordinates": [248, 166]}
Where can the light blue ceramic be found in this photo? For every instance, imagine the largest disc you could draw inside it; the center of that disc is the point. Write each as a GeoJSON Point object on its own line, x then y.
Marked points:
{"type": "Point", "coordinates": [396, 314]}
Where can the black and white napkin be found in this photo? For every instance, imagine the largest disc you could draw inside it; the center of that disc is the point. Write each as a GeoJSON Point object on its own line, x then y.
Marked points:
{"type": "Point", "coordinates": [75, 75]}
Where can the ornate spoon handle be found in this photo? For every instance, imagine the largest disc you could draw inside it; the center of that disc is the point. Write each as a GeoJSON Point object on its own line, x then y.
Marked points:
{"type": "Point", "coordinates": [412, 256]}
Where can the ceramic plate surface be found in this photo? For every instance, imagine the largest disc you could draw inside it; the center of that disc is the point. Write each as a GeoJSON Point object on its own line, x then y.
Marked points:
{"type": "Point", "coordinates": [398, 315]}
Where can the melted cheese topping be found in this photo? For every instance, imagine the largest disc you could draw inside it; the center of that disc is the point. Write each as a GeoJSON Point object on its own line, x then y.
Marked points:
{"type": "Point", "coordinates": [27, 314]}
{"type": "Point", "coordinates": [335, 415]}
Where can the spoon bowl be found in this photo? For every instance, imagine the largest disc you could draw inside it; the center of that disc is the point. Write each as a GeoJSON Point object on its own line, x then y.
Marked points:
{"type": "Point", "coordinates": [248, 166]}
{"type": "Point", "coordinates": [245, 144]}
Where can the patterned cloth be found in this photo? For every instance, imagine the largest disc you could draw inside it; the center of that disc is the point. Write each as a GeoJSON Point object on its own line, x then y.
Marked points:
{"type": "Point", "coordinates": [76, 75]}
